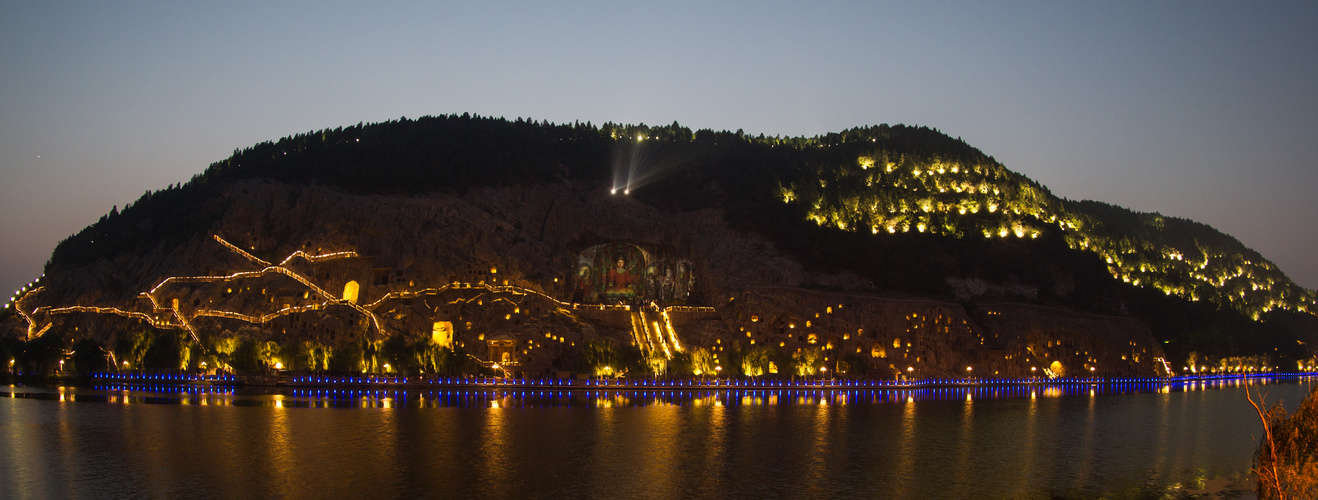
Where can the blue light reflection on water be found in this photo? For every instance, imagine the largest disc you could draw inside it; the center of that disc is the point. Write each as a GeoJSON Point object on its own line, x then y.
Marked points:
{"type": "Point", "coordinates": [160, 440]}
{"type": "Point", "coordinates": [533, 397]}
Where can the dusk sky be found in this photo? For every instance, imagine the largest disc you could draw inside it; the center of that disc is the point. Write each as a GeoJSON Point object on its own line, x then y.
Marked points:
{"type": "Point", "coordinates": [1201, 110]}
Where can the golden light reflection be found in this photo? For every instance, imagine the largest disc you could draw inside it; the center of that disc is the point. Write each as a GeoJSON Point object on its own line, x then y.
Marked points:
{"type": "Point", "coordinates": [905, 446]}
{"type": "Point", "coordinates": [966, 450]}
{"type": "Point", "coordinates": [281, 449]}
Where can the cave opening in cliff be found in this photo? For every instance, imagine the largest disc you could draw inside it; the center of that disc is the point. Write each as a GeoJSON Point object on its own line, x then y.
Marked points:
{"type": "Point", "coordinates": [623, 273]}
{"type": "Point", "coordinates": [350, 292]}
{"type": "Point", "coordinates": [442, 333]}
{"type": "Point", "coordinates": [1056, 370]}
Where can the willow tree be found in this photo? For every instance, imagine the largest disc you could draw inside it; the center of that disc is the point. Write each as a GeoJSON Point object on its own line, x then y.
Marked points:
{"type": "Point", "coordinates": [702, 362]}
{"type": "Point", "coordinates": [807, 361]}
{"type": "Point", "coordinates": [755, 361]}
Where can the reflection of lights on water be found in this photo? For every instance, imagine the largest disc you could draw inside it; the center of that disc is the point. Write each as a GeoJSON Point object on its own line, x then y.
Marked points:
{"type": "Point", "coordinates": [156, 390]}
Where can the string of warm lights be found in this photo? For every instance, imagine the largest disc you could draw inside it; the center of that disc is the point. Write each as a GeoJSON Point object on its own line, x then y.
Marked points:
{"type": "Point", "coordinates": [13, 301]}
{"type": "Point", "coordinates": [647, 337]}
{"type": "Point", "coordinates": [18, 306]}
{"type": "Point", "coordinates": [184, 321]}
{"type": "Point", "coordinates": [318, 258]}
{"type": "Point", "coordinates": [155, 322]}
{"type": "Point", "coordinates": [672, 333]}
{"type": "Point", "coordinates": [287, 272]}
{"type": "Point", "coordinates": [242, 252]}
{"type": "Point", "coordinates": [188, 325]}
{"type": "Point", "coordinates": [328, 296]}
{"type": "Point", "coordinates": [464, 301]}
{"type": "Point", "coordinates": [264, 318]}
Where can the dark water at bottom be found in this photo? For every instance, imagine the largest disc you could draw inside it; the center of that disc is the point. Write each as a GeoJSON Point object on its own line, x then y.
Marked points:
{"type": "Point", "coordinates": [1035, 444]}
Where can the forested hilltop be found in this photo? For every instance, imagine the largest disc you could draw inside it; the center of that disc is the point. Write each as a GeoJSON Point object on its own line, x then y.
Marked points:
{"type": "Point", "coordinates": [910, 209]}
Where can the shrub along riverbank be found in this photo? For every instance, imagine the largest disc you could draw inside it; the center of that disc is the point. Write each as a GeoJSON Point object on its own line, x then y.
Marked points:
{"type": "Point", "coordinates": [1286, 462]}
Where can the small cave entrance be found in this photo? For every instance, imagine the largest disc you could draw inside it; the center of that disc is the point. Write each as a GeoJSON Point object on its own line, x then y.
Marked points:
{"type": "Point", "coordinates": [350, 291]}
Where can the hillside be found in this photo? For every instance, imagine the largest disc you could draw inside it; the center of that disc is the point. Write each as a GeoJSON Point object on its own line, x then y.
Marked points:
{"type": "Point", "coordinates": [888, 212]}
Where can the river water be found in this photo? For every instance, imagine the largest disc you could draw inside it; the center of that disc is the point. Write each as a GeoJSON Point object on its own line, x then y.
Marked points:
{"type": "Point", "coordinates": [1007, 442]}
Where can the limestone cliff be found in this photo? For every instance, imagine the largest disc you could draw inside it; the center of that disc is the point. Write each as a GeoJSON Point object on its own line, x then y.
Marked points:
{"type": "Point", "coordinates": [496, 272]}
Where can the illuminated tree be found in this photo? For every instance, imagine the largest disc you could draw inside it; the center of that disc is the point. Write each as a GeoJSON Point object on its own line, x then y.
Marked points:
{"type": "Point", "coordinates": [808, 360]}
{"type": "Point", "coordinates": [702, 362]}
{"type": "Point", "coordinates": [222, 350]}
{"type": "Point", "coordinates": [312, 356]}
{"type": "Point", "coordinates": [602, 357]}
{"type": "Point", "coordinates": [131, 346]}
{"type": "Point", "coordinates": [268, 352]}
{"type": "Point", "coordinates": [434, 358]}
{"type": "Point", "coordinates": [656, 363]}
{"type": "Point", "coordinates": [755, 361]}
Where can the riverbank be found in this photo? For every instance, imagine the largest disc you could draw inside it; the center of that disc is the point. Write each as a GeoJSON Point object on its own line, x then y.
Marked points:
{"type": "Point", "coordinates": [303, 381]}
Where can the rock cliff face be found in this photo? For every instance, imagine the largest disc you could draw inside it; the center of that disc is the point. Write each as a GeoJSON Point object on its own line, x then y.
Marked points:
{"type": "Point", "coordinates": [498, 273]}
{"type": "Point", "coordinates": [935, 338]}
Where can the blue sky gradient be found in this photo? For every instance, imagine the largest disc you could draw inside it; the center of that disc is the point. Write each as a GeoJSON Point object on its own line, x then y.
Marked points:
{"type": "Point", "coordinates": [1201, 110]}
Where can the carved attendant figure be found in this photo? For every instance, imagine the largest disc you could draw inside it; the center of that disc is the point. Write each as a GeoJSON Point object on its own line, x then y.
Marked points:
{"type": "Point", "coordinates": [584, 292]}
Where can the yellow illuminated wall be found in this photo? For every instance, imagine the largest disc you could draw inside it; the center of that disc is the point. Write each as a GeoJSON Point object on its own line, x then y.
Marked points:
{"type": "Point", "coordinates": [442, 333]}
{"type": "Point", "coordinates": [1057, 369]}
{"type": "Point", "coordinates": [350, 292]}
